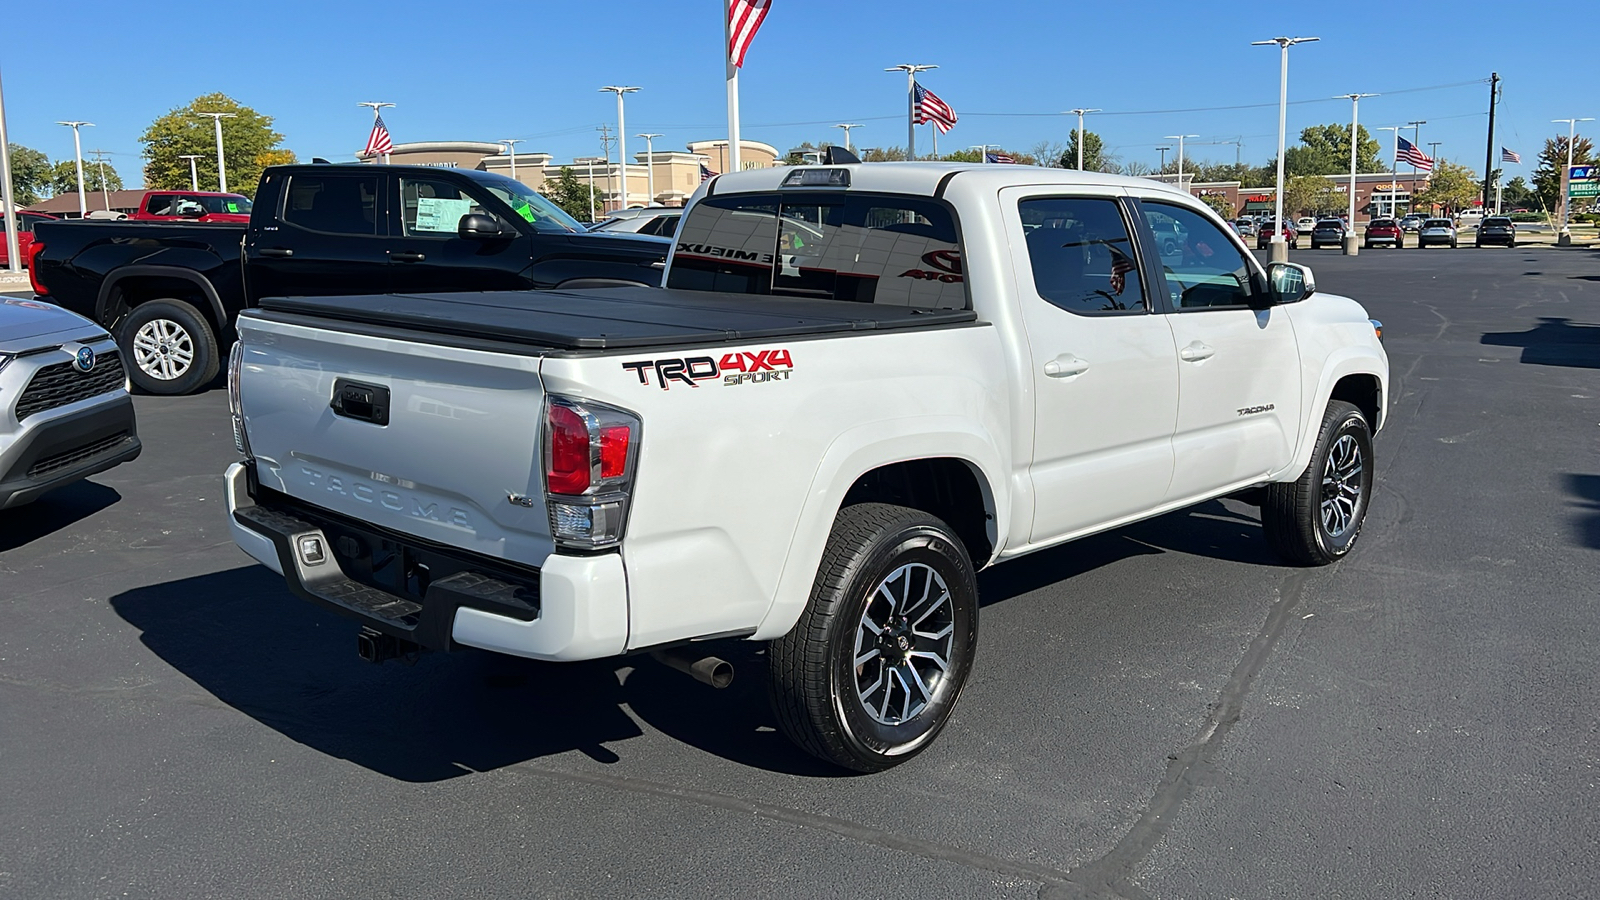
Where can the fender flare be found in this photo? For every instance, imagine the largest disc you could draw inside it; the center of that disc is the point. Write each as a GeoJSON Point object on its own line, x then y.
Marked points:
{"type": "Point", "coordinates": [1350, 360]}
{"type": "Point", "coordinates": [856, 452]}
{"type": "Point", "coordinates": [102, 302]}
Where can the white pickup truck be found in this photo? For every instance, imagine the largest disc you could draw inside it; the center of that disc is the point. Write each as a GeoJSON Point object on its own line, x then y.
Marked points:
{"type": "Point", "coordinates": [860, 385]}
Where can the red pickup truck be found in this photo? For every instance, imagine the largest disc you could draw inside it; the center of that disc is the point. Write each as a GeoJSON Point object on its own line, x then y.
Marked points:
{"type": "Point", "coordinates": [193, 206]}
{"type": "Point", "coordinates": [25, 223]}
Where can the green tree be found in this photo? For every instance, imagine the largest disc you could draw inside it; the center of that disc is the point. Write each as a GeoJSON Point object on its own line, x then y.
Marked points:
{"type": "Point", "coordinates": [571, 193]}
{"type": "Point", "coordinates": [1325, 150]}
{"type": "Point", "coordinates": [247, 139]}
{"type": "Point", "coordinates": [1309, 195]}
{"type": "Point", "coordinates": [882, 154]}
{"type": "Point", "coordinates": [1220, 204]}
{"type": "Point", "coordinates": [971, 156]}
{"type": "Point", "coordinates": [1452, 186]}
{"type": "Point", "coordinates": [1516, 193]}
{"type": "Point", "coordinates": [30, 175]}
{"type": "Point", "coordinates": [1095, 157]}
{"type": "Point", "coordinates": [64, 177]}
{"type": "Point", "coordinates": [1552, 161]}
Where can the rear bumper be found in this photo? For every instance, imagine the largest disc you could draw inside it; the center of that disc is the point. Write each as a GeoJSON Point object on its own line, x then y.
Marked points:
{"type": "Point", "coordinates": [55, 450]}
{"type": "Point", "coordinates": [569, 608]}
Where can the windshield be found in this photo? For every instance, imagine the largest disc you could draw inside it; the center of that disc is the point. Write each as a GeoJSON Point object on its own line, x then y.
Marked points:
{"type": "Point", "coordinates": [533, 206]}
{"type": "Point", "coordinates": [229, 203]}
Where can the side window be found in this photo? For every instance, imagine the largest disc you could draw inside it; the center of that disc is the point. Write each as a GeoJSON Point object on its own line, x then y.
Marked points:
{"type": "Point", "coordinates": [334, 204]}
{"type": "Point", "coordinates": [1204, 269]}
{"type": "Point", "coordinates": [190, 206]}
{"type": "Point", "coordinates": [160, 205]}
{"type": "Point", "coordinates": [1082, 258]}
{"type": "Point", "coordinates": [430, 208]}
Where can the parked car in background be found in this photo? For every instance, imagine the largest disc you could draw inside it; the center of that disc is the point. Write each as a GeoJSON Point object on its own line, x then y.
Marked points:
{"type": "Point", "coordinates": [192, 206]}
{"type": "Point", "coordinates": [1246, 226]}
{"type": "Point", "coordinates": [661, 221]}
{"type": "Point", "coordinates": [1437, 232]}
{"type": "Point", "coordinates": [1305, 223]}
{"type": "Point", "coordinates": [1291, 235]}
{"type": "Point", "coordinates": [1469, 218]}
{"type": "Point", "coordinates": [169, 291]}
{"type": "Point", "coordinates": [25, 223]}
{"type": "Point", "coordinates": [1411, 222]}
{"type": "Point", "coordinates": [1328, 233]}
{"type": "Point", "coordinates": [65, 413]}
{"type": "Point", "coordinates": [1383, 233]}
{"type": "Point", "coordinates": [1496, 230]}
{"type": "Point", "coordinates": [1170, 236]}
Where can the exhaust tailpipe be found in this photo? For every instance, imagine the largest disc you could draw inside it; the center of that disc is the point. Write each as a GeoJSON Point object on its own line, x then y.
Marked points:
{"type": "Point", "coordinates": [705, 669]}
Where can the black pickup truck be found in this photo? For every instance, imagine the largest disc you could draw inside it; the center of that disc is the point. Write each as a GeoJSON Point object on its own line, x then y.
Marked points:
{"type": "Point", "coordinates": [169, 292]}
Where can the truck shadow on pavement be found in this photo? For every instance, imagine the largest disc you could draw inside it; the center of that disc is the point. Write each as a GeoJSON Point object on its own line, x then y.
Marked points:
{"type": "Point", "coordinates": [52, 512]}
{"type": "Point", "coordinates": [1585, 490]}
{"type": "Point", "coordinates": [240, 636]}
{"type": "Point", "coordinates": [1554, 341]}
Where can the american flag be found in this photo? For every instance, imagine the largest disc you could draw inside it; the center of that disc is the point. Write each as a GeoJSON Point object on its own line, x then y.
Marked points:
{"type": "Point", "coordinates": [744, 20]}
{"type": "Point", "coordinates": [378, 142]}
{"type": "Point", "coordinates": [1407, 152]}
{"type": "Point", "coordinates": [1509, 155]}
{"type": "Point", "coordinates": [1121, 265]}
{"type": "Point", "coordinates": [931, 109]}
{"type": "Point", "coordinates": [1000, 158]}
{"type": "Point", "coordinates": [705, 173]}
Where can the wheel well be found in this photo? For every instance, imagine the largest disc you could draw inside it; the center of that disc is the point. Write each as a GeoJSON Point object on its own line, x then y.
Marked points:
{"type": "Point", "coordinates": [1363, 392]}
{"type": "Point", "coordinates": [947, 488]}
{"type": "Point", "coordinates": [131, 292]}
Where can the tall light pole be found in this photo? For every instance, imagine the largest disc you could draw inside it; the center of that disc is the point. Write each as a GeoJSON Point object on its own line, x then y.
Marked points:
{"type": "Point", "coordinates": [1566, 202]}
{"type": "Point", "coordinates": [622, 141]}
{"type": "Point", "coordinates": [7, 201]}
{"type": "Point", "coordinates": [911, 70]}
{"type": "Point", "coordinates": [1416, 141]}
{"type": "Point", "coordinates": [983, 151]}
{"type": "Point", "coordinates": [1163, 169]}
{"type": "Point", "coordinates": [194, 172]}
{"type": "Point", "coordinates": [1179, 138]}
{"type": "Point", "coordinates": [847, 127]}
{"type": "Point", "coordinates": [1394, 199]}
{"type": "Point", "coordinates": [375, 105]}
{"type": "Point", "coordinates": [1080, 114]}
{"type": "Point", "coordinates": [1280, 249]}
{"type": "Point", "coordinates": [650, 164]}
{"type": "Point", "coordinates": [222, 168]}
{"type": "Point", "coordinates": [77, 154]}
{"type": "Point", "coordinates": [511, 151]}
{"type": "Point", "coordinates": [1351, 245]}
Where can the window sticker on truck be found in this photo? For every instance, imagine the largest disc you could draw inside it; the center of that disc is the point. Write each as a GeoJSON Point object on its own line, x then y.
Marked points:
{"type": "Point", "coordinates": [743, 367]}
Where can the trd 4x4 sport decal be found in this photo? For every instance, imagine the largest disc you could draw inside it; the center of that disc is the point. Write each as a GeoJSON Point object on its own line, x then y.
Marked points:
{"type": "Point", "coordinates": [760, 367]}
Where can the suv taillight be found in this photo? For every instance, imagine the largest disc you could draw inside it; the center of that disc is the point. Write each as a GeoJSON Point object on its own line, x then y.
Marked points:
{"type": "Point", "coordinates": [33, 269]}
{"type": "Point", "coordinates": [590, 453]}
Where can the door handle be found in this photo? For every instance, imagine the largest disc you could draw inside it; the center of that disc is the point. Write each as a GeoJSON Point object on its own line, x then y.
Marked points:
{"type": "Point", "coordinates": [283, 252]}
{"type": "Point", "coordinates": [1196, 352]}
{"type": "Point", "coordinates": [407, 256]}
{"type": "Point", "coordinates": [1065, 366]}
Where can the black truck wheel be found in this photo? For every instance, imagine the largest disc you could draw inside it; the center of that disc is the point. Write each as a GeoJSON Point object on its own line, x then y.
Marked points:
{"type": "Point", "coordinates": [869, 675]}
{"type": "Point", "coordinates": [1315, 519]}
{"type": "Point", "coordinates": [168, 347]}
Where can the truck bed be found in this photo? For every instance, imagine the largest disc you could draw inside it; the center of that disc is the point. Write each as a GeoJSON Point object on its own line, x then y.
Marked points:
{"type": "Point", "coordinates": [614, 318]}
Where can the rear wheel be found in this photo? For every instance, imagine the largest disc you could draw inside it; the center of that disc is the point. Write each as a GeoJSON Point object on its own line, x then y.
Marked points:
{"type": "Point", "coordinates": [1315, 519]}
{"type": "Point", "coordinates": [870, 673]}
{"type": "Point", "coordinates": [169, 348]}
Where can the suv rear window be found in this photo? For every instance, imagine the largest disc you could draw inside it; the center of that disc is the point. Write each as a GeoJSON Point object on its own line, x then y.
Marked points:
{"type": "Point", "coordinates": [862, 248]}
{"type": "Point", "coordinates": [1437, 223]}
{"type": "Point", "coordinates": [1497, 220]}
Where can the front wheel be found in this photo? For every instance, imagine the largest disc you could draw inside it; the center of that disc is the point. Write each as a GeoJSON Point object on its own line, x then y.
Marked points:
{"type": "Point", "coordinates": [1315, 519]}
{"type": "Point", "coordinates": [870, 673]}
{"type": "Point", "coordinates": [170, 348]}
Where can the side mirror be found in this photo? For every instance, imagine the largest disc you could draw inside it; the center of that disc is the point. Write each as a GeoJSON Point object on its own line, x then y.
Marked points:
{"type": "Point", "coordinates": [479, 227]}
{"type": "Point", "coordinates": [1289, 282]}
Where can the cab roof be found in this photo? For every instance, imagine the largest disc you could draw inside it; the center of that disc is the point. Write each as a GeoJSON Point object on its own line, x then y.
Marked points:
{"type": "Point", "coordinates": [926, 178]}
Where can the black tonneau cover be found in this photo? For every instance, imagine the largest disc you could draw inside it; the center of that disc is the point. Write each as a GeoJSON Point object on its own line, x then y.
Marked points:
{"type": "Point", "coordinates": [614, 318]}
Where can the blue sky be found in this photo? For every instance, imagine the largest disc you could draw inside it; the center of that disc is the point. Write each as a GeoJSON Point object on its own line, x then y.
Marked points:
{"type": "Point", "coordinates": [492, 70]}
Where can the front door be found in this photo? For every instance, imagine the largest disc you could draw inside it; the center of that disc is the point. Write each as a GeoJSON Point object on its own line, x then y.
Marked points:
{"type": "Point", "coordinates": [1238, 367]}
{"type": "Point", "coordinates": [327, 238]}
{"type": "Point", "coordinates": [1105, 377]}
{"type": "Point", "coordinates": [427, 255]}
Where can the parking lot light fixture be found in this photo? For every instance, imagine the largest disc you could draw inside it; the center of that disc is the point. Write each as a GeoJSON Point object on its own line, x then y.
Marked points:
{"type": "Point", "coordinates": [1163, 168]}
{"type": "Point", "coordinates": [650, 165]}
{"type": "Point", "coordinates": [1080, 113]}
{"type": "Point", "coordinates": [911, 70]}
{"type": "Point", "coordinates": [983, 152]}
{"type": "Point", "coordinates": [511, 151]}
{"type": "Point", "coordinates": [1280, 250]}
{"type": "Point", "coordinates": [1179, 138]}
{"type": "Point", "coordinates": [1351, 245]}
{"type": "Point", "coordinates": [194, 171]}
{"type": "Point", "coordinates": [77, 154]}
{"type": "Point", "coordinates": [622, 143]}
{"type": "Point", "coordinates": [1394, 188]}
{"type": "Point", "coordinates": [8, 196]}
{"type": "Point", "coordinates": [847, 126]}
{"type": "Point", "coordinates": [222, 168]}
{"type": "Point", "coordinates": [1566, 202]}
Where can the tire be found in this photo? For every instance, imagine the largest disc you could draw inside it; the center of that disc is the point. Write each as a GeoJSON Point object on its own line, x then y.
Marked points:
{"type": "Point", "coordinates": [168, 347]}
{"type": "Point", "coordinates": [1511, 244]}
{"type": "Point", "coordinates": [1305, 525]}
{"type": "Point", "coordinates": [822, 699]}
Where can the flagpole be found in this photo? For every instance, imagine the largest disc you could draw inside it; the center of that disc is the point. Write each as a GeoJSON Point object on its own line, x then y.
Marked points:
{"type": "Point", "coordinates": [733, 86]}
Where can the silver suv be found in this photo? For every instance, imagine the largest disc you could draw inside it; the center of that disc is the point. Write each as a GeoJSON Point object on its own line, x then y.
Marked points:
{"type": "Point", "coordinates": [65, 413]}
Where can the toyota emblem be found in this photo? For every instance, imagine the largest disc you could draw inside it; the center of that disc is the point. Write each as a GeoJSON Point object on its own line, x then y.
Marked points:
{"type": "Point", "coordinates": [84, 361]}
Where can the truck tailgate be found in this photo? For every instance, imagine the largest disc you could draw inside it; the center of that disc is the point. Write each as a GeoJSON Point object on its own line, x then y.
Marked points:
{"type": "Point", "coordinates": [436, 453]}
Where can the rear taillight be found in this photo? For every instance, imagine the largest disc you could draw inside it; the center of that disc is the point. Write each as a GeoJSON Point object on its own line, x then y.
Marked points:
{"type": "Point", "coordinates": [590, 453]}
{"type": "Point", "coordinates": [33, 269]}
{"type": "Point", "coordinates": [241, 440]}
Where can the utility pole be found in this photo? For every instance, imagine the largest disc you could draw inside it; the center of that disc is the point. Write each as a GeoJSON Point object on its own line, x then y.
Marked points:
{"type": "Point", "coordinates": [376, 105]}
{"type": "Point", "coordinates": [605, 143]}
{"type": "Point", "coordinates": [650, 165]}
{"type": "Point", "coordinates": [222, 168]}
{"type": "Point", "coordinates": [1280, 249]}
{"type": "Point", "coordinates": [77, 154]}
{"type": "Point", "coordinates": [847, 127]}
{"type": "Point", "coordinates": [8, 203]}
{"type": "Point", "coordinates": [911, 70]}
{"type": "Point", "coordinates": [1163, 169]}
{"type": "Point", "coordinates": [105, 189]}
{"type": "Point", "coordinates": [622, 142]}
{"type": "Point", "coordinates": [1488, 154]}
{"type": "Point", "coordinates": [1352, 246]}
{"type": "Point", "coordinates": [194, 173]}
{"type": "Point", "coordinates": [1080, 113]}
{"type": "Point", "coordinates": [511, 151]}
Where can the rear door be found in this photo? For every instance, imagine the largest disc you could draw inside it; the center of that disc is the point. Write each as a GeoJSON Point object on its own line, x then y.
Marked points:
{"type": "Point", "coordinates": [327, 235]}
{"type": "Point", "coordinates": [427, 254]}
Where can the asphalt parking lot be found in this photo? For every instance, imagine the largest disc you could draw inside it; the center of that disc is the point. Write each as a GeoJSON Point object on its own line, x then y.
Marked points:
{"type": "Point", "coordinates": [1162, 711]}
